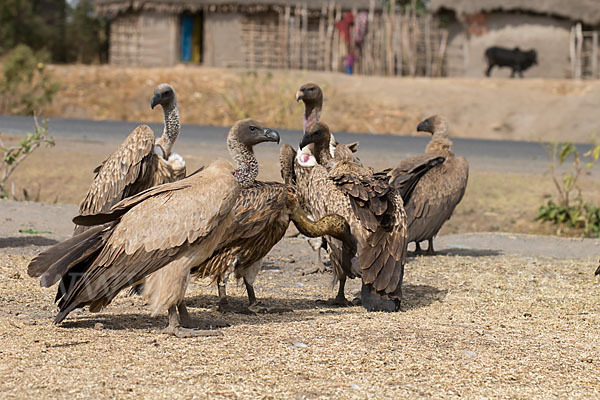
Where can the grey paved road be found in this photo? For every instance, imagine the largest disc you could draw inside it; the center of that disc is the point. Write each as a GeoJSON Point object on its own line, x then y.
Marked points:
{"type": "Point", "coordinates": [376, 150]}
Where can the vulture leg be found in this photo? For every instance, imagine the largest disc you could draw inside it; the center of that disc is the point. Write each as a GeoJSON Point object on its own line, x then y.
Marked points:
{"type": "Point", "coordinates": [430, 250]}
{"type": "Point", "coordinates": [174, 328]}
{"type": "Point", "coordinates": [223, 303]}
{"type": "Point", "coordinates": [254, 306]}
{"type": "Point", "coordinates": [418, 248]}
{"type": "Point", "coordinates": [340, 299]}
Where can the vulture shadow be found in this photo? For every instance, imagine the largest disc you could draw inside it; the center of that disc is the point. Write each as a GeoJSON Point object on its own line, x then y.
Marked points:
{"type": "Point", "coordinates": [459, 251]}
{"type": "Point", "coordinates": [26, 241]}
{"type": "Point", "coordinates": [419, 296]}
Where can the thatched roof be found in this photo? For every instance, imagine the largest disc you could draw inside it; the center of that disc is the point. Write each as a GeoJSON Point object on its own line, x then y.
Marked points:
{"type": "Point", "coordinates": [115, 6]}
{"type": "Point", "coordinates": [586, 11]}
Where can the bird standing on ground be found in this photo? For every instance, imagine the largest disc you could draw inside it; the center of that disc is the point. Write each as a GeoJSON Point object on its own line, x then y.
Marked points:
{"type": "Point", "coordinates": [371, 207]}
{"type": "Point", "coordinates": [164, 231]}
{"type": "Point", "coordinates": [140, 162]}
{"type": "Point", "coordinates": [263, 212]}
{"type": "Point", "coordinates": [439, 191]}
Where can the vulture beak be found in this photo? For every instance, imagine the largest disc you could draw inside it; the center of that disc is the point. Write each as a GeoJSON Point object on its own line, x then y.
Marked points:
{"type": "Point", "coordinates": [423, 126]}
{"type": "Point", "coordinates": [299, 95]}
{"type": "Point", "coordinates": [155, 101]}
{"type": "Point", "coordinates": [271, 135]}
{"type": "Point", "coordinates": [306, 140]}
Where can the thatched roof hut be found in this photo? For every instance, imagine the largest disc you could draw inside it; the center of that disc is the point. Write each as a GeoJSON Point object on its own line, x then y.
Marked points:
{"type": "Point", "coordinates": [225, 33]}
{"type": "Point", "coordinates": [106, 7]}
{"type": "Point", "coordinates": [586, 11]}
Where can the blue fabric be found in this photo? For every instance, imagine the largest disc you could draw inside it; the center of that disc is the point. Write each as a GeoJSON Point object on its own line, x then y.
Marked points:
{"type": "Point", "coordinates": [187, 40]}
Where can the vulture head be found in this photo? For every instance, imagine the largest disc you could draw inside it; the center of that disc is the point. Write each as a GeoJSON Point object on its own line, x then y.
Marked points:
{"type": "Point", "coordinates": [311, 94]}
{"type": "Point", "coordinates": [249, 133]}
{"type": "Point", "coordinates": [164, 94]}
{"type": "Point", "coordinates": [317, 133]}
{"type": "Point", "coordinates": [436, 124]}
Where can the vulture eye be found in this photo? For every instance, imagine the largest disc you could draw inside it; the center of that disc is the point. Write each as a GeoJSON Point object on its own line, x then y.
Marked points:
{"type": "Point", "coordinates": [252, 128]}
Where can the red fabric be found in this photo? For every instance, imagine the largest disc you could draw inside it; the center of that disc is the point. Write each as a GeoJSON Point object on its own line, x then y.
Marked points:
{"type": "Point", "coordinates": [343, 25]}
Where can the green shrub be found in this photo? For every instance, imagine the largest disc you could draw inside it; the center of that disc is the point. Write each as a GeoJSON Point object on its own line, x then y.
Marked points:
{"type": "Point", "coordinates": [26, 87]}
{"type": "Point", "coordinates": [14, 155]}
{"type": "Point", "coordinates": [571, 208]}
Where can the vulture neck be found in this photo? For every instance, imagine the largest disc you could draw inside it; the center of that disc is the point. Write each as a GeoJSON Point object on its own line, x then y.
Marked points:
{"type": "Point", "coordinates": [323, 153]}
{"type": "Point", "coordinates": [245, 161]}
{"type": "Point", "coordinates": [312, 113]}
{"type": "Point", "coordinates": [171, 129]}
{"type": "Point", "coordinates": [440, 145]}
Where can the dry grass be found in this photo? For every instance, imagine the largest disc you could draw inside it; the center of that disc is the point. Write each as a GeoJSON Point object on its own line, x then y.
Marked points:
{"type": "Point", "coordinates": [494, 201]}
{"type": "Point", "coordinates": [502, 327]}
{"type": "Point", "coordinates": [530, 109]}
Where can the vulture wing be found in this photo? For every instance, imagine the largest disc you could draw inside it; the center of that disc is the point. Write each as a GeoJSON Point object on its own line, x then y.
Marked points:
{"type": "Point", "coordinates": [257, 227]}
{"type": "Point", "coordinates": [121, 174]}
{"type": "Point", "coordinates": [405, 176]}
{"type": "Point", "coordinates": [435, 197]}
{"type": "Point", "coordinates": [163, 225]}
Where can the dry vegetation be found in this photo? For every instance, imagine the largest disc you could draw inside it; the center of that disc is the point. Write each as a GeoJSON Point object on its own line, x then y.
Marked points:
{"type": "Point", "coordinates": [472, 326]}
{"type": "Point", "coordinates": [529, 109]}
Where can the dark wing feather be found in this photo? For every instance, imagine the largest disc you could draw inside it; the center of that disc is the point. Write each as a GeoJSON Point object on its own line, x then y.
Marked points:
{"type": "Point", "coordinates": [435, 197]}
{"type": "Point", "coordinates": [260, 222]}
{"type": "Point", "coordinates": [406, 174]}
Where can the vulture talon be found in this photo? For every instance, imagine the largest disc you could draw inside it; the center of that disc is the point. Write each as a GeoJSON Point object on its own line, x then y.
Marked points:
{"type": "Point", "coordinates": [180, 332]}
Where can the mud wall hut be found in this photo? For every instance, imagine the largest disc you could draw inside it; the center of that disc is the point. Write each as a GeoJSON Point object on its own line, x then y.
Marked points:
{"type": "Point", "coordinates": [544, 25]}
{"type": "Point", "coordinates": [223, 33]}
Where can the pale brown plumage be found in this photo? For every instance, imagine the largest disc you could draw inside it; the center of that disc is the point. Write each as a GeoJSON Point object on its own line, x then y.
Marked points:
{"type": "Point", "coordinates": [373, 209]}
{"type": "Point", "coordinates": [159, 234]}
{"type": "Point", "coordinates": [175, 225]}
{"type": "Point", "coordinates": [263, 212]}
{"type": "Point", "coordinates": [312, 97]}
{"type": "Point", "coordinates": [139, 163]}
{"type": "Point", "coordinates": [438, 192]}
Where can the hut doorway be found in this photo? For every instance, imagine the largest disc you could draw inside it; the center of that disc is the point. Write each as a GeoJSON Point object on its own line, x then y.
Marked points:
{"type": "Point", "coordinates": [191, 28]}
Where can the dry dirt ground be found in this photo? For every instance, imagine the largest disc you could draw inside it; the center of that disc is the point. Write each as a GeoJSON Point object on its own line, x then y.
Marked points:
{"type": "Point", "coordinates": [520, 109]}
{"type": "Point", "coordinates": [474, 323]}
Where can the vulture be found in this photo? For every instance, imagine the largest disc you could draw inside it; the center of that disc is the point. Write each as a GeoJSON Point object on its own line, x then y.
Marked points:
{"type": "Point", "coordinates": [438, 192]}
{"type": "Point", "coordinates": [373, 209]}
{"type": "Point", "coordinates": [159, 234]}
{"type": "Point", "coordinates": [262, 214]}
{"type": "Point", "coordinates": [312, 97]}
{"type": "Point", "coordinates": [139, 163]}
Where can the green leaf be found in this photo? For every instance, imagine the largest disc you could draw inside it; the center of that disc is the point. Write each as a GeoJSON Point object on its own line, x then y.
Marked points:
{"type": "Point", "coordinates": [566, 150]}
{"type": "Point", "coordinates": [32, 231]}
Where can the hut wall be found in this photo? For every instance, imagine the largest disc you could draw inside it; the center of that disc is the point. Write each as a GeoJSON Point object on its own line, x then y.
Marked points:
{"type": "Point", "coordinates": [223, 45]}
{"type": "Point", "coordinates": [548, 36]}
{"type": "Point", "coordinates": [125, 39]}
{"type": "Point", "coordinates": [158, 39]}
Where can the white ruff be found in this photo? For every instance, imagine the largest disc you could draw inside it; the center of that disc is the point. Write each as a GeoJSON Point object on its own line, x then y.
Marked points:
{"type": "Point", "coordinates": [305, 158]}
{"type": "Point", "coordinates": [176, 161]}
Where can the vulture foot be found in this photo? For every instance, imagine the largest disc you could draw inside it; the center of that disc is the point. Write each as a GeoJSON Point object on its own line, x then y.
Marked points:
{"type": "Point", "coordinates": [430, 249]}
{"type": "Point", "coordinates": [258, 308]}
{"type": "Point", "coordinates": [319, 270]}
{"type": "Point", "coordinates": [186, 332]}
{"type": "Point", "coordinates": [372, 301]}
{"type": "Point", "coordinates": [338, 301]}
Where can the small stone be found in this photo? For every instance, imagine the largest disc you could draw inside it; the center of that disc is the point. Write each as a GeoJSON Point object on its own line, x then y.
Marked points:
{"type": "Point", "coordinates": [471, 353]}
{"type": "Point", "coordinates": [355, 386]}
{"type": "Point", "coordinates": [300, 344]}
{"type": "Point", "coordinates": [98, 326]}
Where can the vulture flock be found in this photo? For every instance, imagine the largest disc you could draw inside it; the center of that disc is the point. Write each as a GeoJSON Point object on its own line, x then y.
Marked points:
{"type": "Point", "coordinates": [144, 224]}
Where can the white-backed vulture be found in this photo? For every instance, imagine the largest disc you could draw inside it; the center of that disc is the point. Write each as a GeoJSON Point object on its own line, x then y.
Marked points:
{"type": "Point", "coordinates": [263, 212]}
{"type": "Point", "coordinates": [372, 208]}
{"type": "Point", "coordinates": [160, 233]}
{"type": "Point", "coordinates": [312, 97]}
{"type": "Point", "coordinates": [438, 192]}
{"type": "Point", "coordinates": [139, 163]}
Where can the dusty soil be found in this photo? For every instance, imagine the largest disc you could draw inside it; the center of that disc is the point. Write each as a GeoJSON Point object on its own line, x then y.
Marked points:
{"type": "Point", "coordinates": [521, 109]}
{"type": "Point", "coordinates": [472, 325]}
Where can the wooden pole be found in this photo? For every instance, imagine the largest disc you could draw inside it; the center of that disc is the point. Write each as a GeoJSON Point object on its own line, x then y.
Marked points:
{"type": "Point", "coordinates": [579, 63]}
{"type": "Point", "coordinates": [594, 54]}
